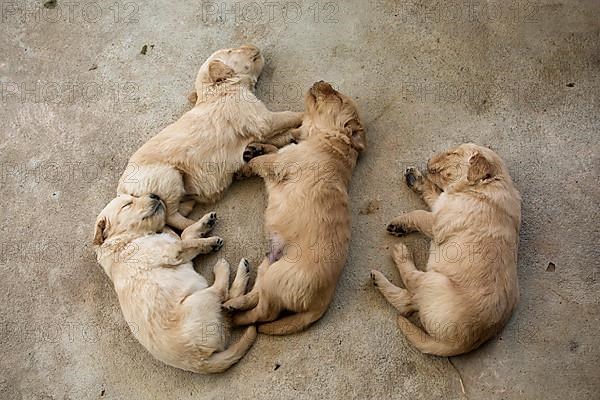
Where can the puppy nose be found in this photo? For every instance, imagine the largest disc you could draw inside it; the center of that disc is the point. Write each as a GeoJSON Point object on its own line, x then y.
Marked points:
{"type": "Point", "coordinates": [154, 196]}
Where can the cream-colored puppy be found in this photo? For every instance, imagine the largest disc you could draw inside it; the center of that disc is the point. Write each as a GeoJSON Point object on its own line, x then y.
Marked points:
{"type": "Point", "coordinates": [307, 217]}
{"type": "Point", "coordinates": [170, 308]}
{"type": "Point", "coordinates": [195, 158]}
{"type": "Point", "coordinates": [469, 289]}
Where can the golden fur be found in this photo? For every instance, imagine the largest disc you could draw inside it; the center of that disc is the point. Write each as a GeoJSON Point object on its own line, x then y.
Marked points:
{"type": "Point", "coordinates": [195, 158]}
{"type": "Point", "coordinates": [170, 308]}
{"type": "Point", "coordinates": [307, 216]}
{"type": "Point", "coordinates": [469, 289]}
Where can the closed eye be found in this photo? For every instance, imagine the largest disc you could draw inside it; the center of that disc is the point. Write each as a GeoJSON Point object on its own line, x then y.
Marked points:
{"type": "Point", "coordinates": [127, 205]}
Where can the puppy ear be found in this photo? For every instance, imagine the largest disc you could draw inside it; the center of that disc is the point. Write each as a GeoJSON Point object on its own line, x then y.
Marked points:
{"type": "Point", "coordinates": [357, 135]}
{"type": "Point", "coordinates": [479, 168]}
{"type": "Point", "coordinates": [99, 232]}
{"type": "Point", "coordinates": [218, 71]}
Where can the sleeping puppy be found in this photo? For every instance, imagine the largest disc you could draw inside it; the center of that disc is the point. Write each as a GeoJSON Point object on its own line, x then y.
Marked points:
{"type": "Point", "coordinates": [195, 158]}
{"type": "Point", "coordinates": [469, 289]}
{"type": "Point", "coordinates": [307, 217]}
{"type": "Point", "coordinates": [169, 308]}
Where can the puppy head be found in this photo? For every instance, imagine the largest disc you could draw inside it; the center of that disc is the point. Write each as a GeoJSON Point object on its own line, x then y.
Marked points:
{"type": "Point", "coordinates": [136, 215]}
{"type": "Point", "coordinates": [327, 109]}
{"type": "Point", "coordinates": [224, 64]}
{"type": "Point", "coordinates": [468, 162]}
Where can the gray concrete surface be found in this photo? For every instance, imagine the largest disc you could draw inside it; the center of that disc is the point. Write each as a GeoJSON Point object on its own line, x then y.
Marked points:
{"type": "Point", "coordinates": [78, 98]}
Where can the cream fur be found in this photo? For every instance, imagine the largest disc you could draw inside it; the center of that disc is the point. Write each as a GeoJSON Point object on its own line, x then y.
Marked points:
{"type": "Point", "coordinates": [170, 308]}
{"type": "Point", "coordinates": [197, 156]}
{"type": "Point", "coordinates": [469, 289]}
{"type": "Point", "coordinates": [307, 216]}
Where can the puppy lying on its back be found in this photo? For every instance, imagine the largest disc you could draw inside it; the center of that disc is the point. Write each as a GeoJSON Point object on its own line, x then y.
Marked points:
{"type": "Point", "coordinates": [307, 217]}
{"type": "Point", "coordinates": [195, 158]}
{"type": "Point", "coordinates": [469, 289]}
{"type": "Point", "coordinates": [170, 308]}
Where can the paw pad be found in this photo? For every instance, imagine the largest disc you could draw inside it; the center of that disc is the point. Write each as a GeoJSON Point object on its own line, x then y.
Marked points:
{"type": "Point", "coordinates": [411, 176]}
{"type": "Point", "coordinates": [396, 230]}
{"type": "Point", "coordinates": [218, 244]}
{"type": "Point", "coordinates": [373, 278]}
{"type": "Point", "coordinates": [212, 219]}
{"type": "Point", "coordinates": [252, 151]}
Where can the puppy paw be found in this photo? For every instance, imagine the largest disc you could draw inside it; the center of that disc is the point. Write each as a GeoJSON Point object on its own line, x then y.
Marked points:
{"type": "Point", "coordinates": [217, 243]}
{"type": "Point", "coordinates": [413, 178]}
{"type": "Point", "coordinates": [202, 227]}
{"type": "Point", "coordinates": [396, 229]}
{"type": "Point", "coordinates": [231, 305]}
{"type": "Point", "coordinates": [376, 277]}
{"type": "Point", "coordinates": [210, 219]}
{"type": "Point", "coordinates": [253, 150]}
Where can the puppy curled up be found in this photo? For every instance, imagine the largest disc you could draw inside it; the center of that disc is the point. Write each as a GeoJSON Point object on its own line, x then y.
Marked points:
{"type": "Point", "coordinates": [307, 217]}
{"type": "Point", "coordinates": [469, 288]}
{"type": "Point", "coordinates": [195, 159]}
{"type": "Point", "coordinates": [169, 308]}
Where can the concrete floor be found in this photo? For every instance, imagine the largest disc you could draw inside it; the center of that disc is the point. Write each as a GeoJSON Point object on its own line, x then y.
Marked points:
{"type": "Point", "coordinates": [78, 98]}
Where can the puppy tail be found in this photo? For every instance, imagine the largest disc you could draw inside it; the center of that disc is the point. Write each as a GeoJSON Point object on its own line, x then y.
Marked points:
{"type": "Point", "coordinates": [221, 361]}
{"type": "Point", "coordinates": [290, 324]}
{"type": "Point", "coordinates": [426, 343]}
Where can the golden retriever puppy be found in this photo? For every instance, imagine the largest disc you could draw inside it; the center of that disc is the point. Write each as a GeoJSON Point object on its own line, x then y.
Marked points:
{"type": "Point", "coordinates": [307, 217]}
{"type": "Point", "coordinates": [469, 289]}
{"type": "Point", "coordinates": [169, 308]}
{"type": "Point", "coordinates": [195, 158]}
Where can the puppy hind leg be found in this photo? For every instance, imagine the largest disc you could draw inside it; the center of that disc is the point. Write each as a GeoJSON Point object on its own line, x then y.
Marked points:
{"type": "Point", "coordinates": [262, 312]}
{"type": "Point", "coordinates": [221, 285]}
{"type": "Point", "coordinates": [291, 324]}
{"type": "Point", "coordinates": [238, 287]}
{"type": "Point", "coordinates": [249, 300]}
{"type": "Point", "coordinates": [409, 273]}
{"type": "Point", "coordinates": [397, 297]}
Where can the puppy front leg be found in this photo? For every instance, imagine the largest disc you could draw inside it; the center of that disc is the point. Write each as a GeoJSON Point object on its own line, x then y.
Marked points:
{"type": "Point", "coordinates": [283, 120]}
{"type": "Point", "coordinates": [285, 138]}
{"type": "Point", "coordinates": [255, 151]}
{"type": "Point", "coordinates": [421, 185]}
{"type": "Point", "coordinates": [200, 228]}
{"type": "Point", "coordinates": [191, 248]}
{"type": "Point", "coordinates": [263, 166]}
{"type": "Point", "coordinates": [414, 221]}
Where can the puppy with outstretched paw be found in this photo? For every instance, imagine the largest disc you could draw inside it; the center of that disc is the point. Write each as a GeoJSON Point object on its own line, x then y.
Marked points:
{"type": "Point", "coordinates": [307, 217]}
{"type": "Point", "coordinates": [195, 159]}
{"type": "Point", "coordinates": [170, 308]}
{"type": "Point", "coordinates": [469, 289]}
